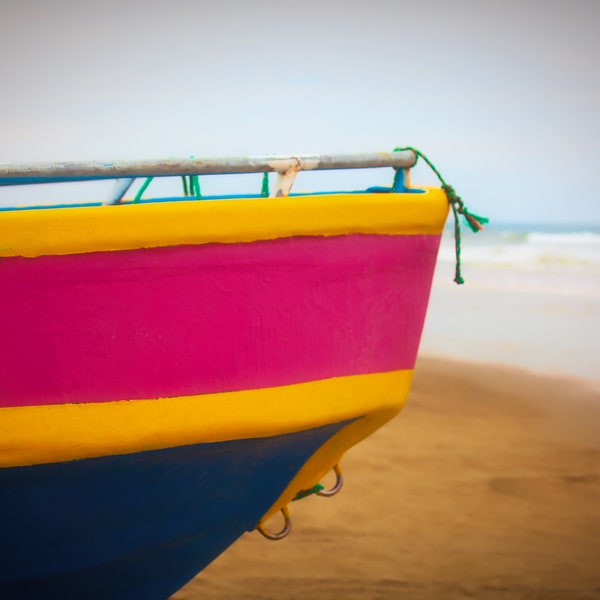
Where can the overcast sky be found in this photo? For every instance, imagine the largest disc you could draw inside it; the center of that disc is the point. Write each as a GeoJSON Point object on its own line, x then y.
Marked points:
{"type": "Point", "coordinates": [504, 96]}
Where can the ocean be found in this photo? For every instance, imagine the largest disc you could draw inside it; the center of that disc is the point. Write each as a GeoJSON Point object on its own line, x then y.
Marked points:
{"type": "Point", "coordinates": [531, 297]}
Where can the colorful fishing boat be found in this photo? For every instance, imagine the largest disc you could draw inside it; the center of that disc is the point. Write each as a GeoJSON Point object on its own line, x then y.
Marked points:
{"type": "Point", "coordinates": [174, 371]}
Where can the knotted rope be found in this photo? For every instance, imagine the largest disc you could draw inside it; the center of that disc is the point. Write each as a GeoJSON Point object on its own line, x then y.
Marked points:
{"type": "Point", "coordinates": [475, 222]}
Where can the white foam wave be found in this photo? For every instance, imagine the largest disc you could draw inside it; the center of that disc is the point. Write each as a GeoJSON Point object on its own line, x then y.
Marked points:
{"type": "Point", "coordinates": [580, 238]}
{"type": "Point", "coordinates": [528, 250]}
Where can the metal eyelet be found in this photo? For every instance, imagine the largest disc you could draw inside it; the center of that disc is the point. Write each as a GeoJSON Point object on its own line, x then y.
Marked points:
{"type": "Point", "coordinates": [339, 482]}
{"type": "Point", "coordinates": [287, 527]}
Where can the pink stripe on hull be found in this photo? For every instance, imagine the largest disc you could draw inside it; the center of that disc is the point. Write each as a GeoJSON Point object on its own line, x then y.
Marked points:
{"type": "Point", "coordinates": [189, 320]}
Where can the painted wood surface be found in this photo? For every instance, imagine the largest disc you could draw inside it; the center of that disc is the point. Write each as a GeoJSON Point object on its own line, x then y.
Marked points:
{"type": "Point", "coordinates": [164, 322]}
{"type": "Point", "coordinates": [170, 374]}
{"type": "Point", "coordinates": [138, 526]}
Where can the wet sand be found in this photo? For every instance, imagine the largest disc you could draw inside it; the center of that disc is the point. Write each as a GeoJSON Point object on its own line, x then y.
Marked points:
{"type": "Point", "coordinates": [486, 486]}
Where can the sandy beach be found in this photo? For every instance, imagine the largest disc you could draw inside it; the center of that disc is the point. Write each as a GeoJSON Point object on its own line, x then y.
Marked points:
{"type": "Point", "coordinates": [486, 486]}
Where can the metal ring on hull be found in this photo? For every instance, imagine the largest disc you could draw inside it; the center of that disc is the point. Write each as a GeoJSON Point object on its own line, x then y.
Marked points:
{"type": "Point", "coordinates": [339, 482]}
{"type": "Point", "coordinates": [287, 527]}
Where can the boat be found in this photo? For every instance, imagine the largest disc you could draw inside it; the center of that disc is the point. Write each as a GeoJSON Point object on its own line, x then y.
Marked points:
{"type": "Point", "coordinates": [174, 371]}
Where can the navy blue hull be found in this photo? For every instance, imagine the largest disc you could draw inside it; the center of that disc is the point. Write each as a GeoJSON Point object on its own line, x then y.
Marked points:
{"type": "Point", "coordinates": [138, 526]}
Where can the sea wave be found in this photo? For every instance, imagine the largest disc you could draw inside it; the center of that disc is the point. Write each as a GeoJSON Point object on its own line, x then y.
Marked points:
{"type": "Point", "coordinates": [527, 249]}
{"type": "Point", "coordinates": [581, 238]}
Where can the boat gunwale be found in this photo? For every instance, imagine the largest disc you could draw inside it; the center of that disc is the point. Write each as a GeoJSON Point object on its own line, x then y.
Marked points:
{"type": "Point", "coordinates": [60, 231]}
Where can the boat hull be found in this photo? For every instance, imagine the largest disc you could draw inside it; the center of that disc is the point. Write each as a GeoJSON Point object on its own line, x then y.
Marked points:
{"type": "Point", "coordinates": [173, 374]}
{"type": "Point", "coordinates": [138, 525]}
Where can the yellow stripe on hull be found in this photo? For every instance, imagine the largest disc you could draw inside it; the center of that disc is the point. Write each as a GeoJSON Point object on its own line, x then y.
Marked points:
{"type": "Point", "coordinates": [125, 227]}
{"type": "Point", "coordinates": [55, 433]}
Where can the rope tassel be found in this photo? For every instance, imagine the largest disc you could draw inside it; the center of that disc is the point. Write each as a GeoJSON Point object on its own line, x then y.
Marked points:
{"type": "Point", "coordinates": [475, 222]}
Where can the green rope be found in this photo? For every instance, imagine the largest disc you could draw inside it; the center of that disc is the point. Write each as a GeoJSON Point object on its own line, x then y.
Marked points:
{"type": "Point", "coordinates": [304, 493]}
{"type": "Point", "coordinates": [142, 189]}
{"type": "Point", "coordinates": [475, 222]}
{"type": "Point", "coordinates": [191, 186]}
{"type": "Point", "coordinates": [264, 192]}
{"type": "Point", "coordinates": [195, 186]}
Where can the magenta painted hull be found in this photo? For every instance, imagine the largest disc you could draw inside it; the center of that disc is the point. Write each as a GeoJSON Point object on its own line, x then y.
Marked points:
{"type": "Point", "coordinates": [189, 320]}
